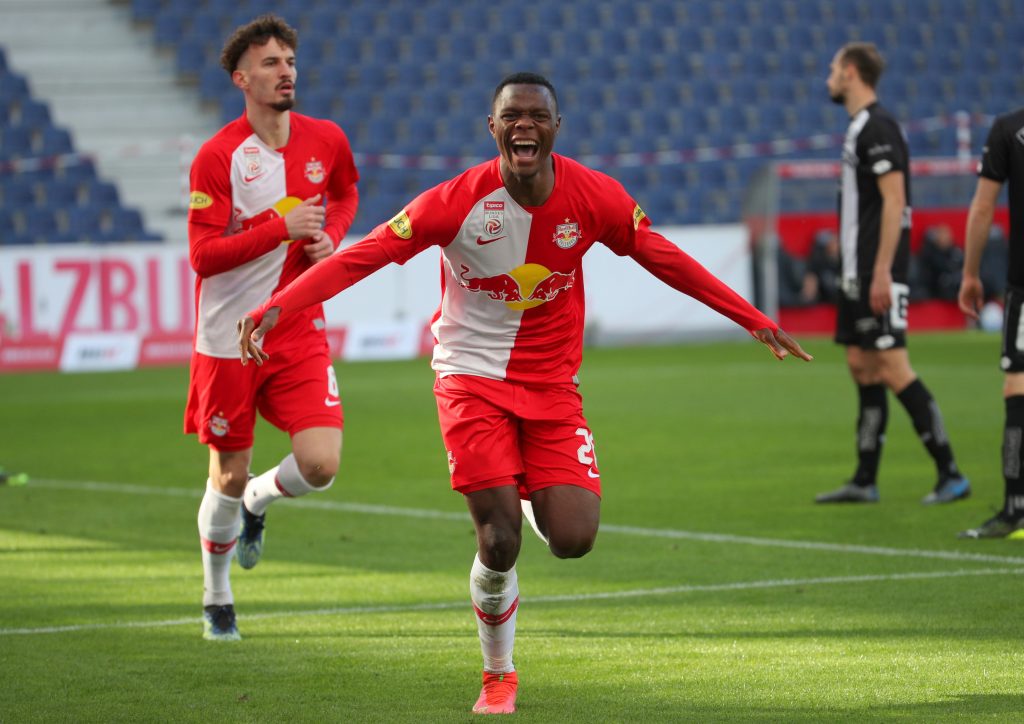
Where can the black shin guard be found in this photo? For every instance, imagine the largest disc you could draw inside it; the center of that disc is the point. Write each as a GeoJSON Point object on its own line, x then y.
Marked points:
{"type": "Point", "coordinates": [872, 418]}
{"type": "Point", "coordinates": [1013, 456]}
{"type": "Point", "coordinates": [927, 419]}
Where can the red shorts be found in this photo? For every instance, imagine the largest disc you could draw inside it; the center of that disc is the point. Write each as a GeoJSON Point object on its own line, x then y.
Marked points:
{"type": "Point", "coordinates": [535, 434]}
{"type": "Point", "coordinates": [294, 390]}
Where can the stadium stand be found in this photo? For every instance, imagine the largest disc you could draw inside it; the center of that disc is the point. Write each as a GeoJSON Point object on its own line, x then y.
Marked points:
{"type": "Point", "coordinates": [49, 194]}
{"type": "Point", "coordinates": [659, 85]}
{"type": "Point", "coordinates": [635, 77]}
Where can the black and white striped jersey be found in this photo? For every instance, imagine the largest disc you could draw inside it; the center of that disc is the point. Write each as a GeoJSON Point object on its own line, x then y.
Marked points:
{"type": "Point", "coordinates": [874, 146]}
{"type": "Point", "coordinates": [1002, 159]}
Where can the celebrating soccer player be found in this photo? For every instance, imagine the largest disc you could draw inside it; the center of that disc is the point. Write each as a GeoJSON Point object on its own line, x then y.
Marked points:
{"type": "Point", "coordinates": [509, 338]}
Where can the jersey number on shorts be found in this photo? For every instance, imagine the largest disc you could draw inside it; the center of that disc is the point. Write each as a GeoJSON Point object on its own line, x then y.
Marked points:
{"type": "Point", "coordinates": [900, 302]}
{"type": "Point", "coordinates": [586, 453]}
{"type": "Point", "coordinates": [332, 381]}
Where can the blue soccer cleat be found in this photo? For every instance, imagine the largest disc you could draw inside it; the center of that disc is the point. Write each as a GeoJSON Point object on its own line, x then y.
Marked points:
{"type": "Point", "coordinates": [219, 623]}
{"type": "Point", "coordinates": [250, 540]}
{"type": "Point", "coordinates": [949, 490]}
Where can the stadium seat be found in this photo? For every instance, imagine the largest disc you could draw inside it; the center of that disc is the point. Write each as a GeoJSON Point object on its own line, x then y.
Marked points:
{"type": "Point", "coordinates": [40, 223]}
{"type": "Point", "coordinates": [61, 192]}
{"type": "Point", "coordinates": [18, 192]}
{"type": "Point", "coordinates": [33, 113]}
{"type": "Point", "coordinates": [13, 86]}
{"type": "Point", "coordinates": [84, 221]}
{"type": "Point", "coordinates": [55, 141]}
{"type": "Point", "coordinates": [103, 193]}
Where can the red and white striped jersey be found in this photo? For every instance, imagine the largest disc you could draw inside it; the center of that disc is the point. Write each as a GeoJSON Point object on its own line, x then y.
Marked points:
{"type": "Point", "coordinates": [240, 191]}
{"type": "Point", "coordinates": [512, 304]}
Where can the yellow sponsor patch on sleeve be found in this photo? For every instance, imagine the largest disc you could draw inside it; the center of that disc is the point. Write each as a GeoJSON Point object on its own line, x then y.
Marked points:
{"type": "Point", "coordinates": [401, 225]}
{"type": "Point", "coordinates": [638, 216]}
{"type": "Point", "coordinates": [199, 200]}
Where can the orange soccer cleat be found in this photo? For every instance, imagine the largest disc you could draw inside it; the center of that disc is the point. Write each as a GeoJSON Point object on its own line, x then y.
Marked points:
{"type": "Point", "coordinates": [498, 695]}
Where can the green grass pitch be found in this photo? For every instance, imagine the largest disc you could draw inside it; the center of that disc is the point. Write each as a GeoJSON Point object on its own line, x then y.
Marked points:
{"type": "Point", "coordinates": [717, 590]}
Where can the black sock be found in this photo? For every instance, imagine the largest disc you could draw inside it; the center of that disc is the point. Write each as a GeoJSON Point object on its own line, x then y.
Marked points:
{"type": "Point", "coordinates": [872, 417]}
{"type": "Point", "coordinates": [1013, 456]}
{"type": "Point", "coordinates": [924, 412]}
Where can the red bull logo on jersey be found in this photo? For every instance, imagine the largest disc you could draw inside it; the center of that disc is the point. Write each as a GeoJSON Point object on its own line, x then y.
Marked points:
{"type": "Point", "coordinates": [494, 217]}
{"type": "Point", "coordinates": [567, 234]}
{"type": "Point", "coordinates": [219, 426]}
{"type": "Point", "coordinates": [315, 171]}
{"type": "Point", "coordinates": [279, 209]}
{"type": "Point", "coordinates": [525, 287]}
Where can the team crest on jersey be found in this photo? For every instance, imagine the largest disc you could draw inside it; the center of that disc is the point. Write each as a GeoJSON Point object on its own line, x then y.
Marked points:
{"type": "Point", "coordinates": [638, 216]}
{"type": "Point", "coordinates": [567, 234]}
{"type": "Point", "coordinates": [401, 225]}
{"type": "Point", "coordinates": [494, 217]}
{"type": "Point", "coordinates": [219, 426]}
{"type": "Point", "coordinates": [315, 171]}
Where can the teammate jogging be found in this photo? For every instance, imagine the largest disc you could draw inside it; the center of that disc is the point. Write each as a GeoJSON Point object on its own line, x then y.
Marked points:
{"type": "Point", "coordinates": [256, 221]}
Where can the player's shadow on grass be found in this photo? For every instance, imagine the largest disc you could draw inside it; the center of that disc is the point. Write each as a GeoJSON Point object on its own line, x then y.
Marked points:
{"type": "Point", "coordinates": [1008, 705]}
{"type": "Point", "coordinates": [524, 631]}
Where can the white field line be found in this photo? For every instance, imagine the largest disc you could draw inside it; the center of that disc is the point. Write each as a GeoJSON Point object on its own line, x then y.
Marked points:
{"type": "Point", "coordinates": [312, 502]}
{"type": "Point", "coordinates": [567, 598]}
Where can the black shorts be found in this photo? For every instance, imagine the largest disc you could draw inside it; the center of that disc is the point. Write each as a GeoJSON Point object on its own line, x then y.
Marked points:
{"type": "Point", "coordinates": [1012, 359]}
{"type": "Point", "coordinates": [858, 326]}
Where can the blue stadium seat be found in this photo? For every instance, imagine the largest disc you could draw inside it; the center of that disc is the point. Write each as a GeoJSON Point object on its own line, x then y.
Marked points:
{"type": "Point", "coordinates": [33, 113]}
{"type": "Point", "coordinates": [40, 222]}
{"type": "Point", "coordinates": [126, 224]}
{"type": "Point", "coordinates": [80, 170]}
{"type": "Point", "coordinates": [103, 193]}
{"type": "Point", "coordinates": [16, 142]}
{"type": "Point", "coordinates": [13, 86]}
{"type": "Point", "coordinates": [7, 226]}
{"type": "Point", "coordinates": [55, 141]}
{"type": "Point", "coordinates": [61, 192]}
{"type": "Point", "coordinates": [18, 192]}
{"type": "Point", "coordinates": [84, 221]}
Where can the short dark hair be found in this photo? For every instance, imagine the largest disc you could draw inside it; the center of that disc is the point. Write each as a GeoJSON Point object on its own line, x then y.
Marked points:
{"type": "Point", "coordinates": [524, 78]}
{"type": "Point", "coordinates": [866, 59]}
{"type": "Point", "coordinates": [257, 32]}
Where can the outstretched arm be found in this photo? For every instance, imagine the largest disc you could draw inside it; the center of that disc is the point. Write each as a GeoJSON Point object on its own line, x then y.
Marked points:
{"type": "Point", "coordinates": [680, 271]}
{"type": "Point", "coordinates": [317, 284]}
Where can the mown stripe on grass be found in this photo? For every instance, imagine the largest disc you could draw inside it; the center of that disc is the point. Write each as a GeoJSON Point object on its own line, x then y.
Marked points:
{"type": "Point", "coordinates": [567, 598]}
{"type": "Point", "coordinates": [728, 538]}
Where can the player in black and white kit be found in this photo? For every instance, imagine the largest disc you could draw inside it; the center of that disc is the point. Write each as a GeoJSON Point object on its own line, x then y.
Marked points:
{"type": "Point", "coordinates": [1002, 159]}
{"type": "Point", "coordinates": [874, 237]}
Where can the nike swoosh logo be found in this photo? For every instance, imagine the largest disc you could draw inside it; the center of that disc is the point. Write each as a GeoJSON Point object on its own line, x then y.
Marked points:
{"type": "Point", "coordinates": [592, 474]}
{"type": "Point", "coordinates": [331, 403]}
{"type": "Point", "coordinates": [250, 179]}
{"type": "Point", "coordinates": [482, 241]}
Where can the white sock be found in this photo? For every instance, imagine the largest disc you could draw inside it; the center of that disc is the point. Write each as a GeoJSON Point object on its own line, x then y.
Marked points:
{"type": "Point", "coordinates": [219, 519]}
{"type": "Point", "coordinates": [495, 598]}
{"type": "Point", "coordinates": [283, 481]}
